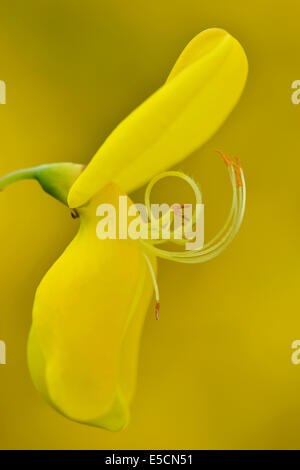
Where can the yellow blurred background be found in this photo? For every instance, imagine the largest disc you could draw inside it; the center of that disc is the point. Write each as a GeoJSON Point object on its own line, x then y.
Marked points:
{"type": "Point", "coordinates": [215, 372]}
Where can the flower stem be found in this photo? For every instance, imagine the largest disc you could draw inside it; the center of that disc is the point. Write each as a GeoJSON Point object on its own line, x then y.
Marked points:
{"type": "Point", "coordinates": [56, 179]}
{"type": "Point", "coordinates": [28, 173]}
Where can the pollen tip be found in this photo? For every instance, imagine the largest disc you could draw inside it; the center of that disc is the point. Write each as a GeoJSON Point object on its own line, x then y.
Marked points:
{"type": "Point", "coordinates": [157, 307]}
{"type": "Point", "coordinates": [237, 170]}
{"type": "Point", "coordinates": [238, 163]}
{"type": "Point", "coordinates": [225, 157]}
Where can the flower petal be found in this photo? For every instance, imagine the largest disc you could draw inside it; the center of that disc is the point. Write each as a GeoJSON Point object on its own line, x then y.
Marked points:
{"type": "Point", "coordinates": [202, 89]}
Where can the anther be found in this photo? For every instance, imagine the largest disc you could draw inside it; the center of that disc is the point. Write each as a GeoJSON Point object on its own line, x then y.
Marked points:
{"type": "Point", "coordinates": [74, 214]}
{"type": "Point", "coordinates": [226, 159]}
{"type": "Point", "coordinates": [157, 307]}
{"type": "Point", "coordinates": [178, 209]}
{"type": "Point", "coordinates": [237, 171]}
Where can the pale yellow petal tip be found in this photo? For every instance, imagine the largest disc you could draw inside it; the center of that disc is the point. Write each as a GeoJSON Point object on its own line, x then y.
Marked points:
{"type": "Point", "coordinates": [201, 45]}
{"type": "Point", "coordinates": [116, 419]}
{"type": "Point", "coordinates": [76, 199]}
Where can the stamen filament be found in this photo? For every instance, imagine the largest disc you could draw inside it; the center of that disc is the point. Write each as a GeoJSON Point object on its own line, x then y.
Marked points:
{"type": "Point", "coordinates": [155, 285]}
{"type": "Point", "coordinates": [224, 237]}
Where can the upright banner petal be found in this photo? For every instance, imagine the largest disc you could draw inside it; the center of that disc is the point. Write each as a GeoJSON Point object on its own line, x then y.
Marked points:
{"type": "Point", "coordinates": [201, 91]}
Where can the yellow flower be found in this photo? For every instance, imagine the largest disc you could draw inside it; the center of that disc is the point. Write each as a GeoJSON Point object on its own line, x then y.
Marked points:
{"type": "Point", "coordinates": [90, 307]}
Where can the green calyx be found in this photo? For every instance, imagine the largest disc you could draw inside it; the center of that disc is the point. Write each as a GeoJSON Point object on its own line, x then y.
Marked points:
{"type": "Point", "coordinates": [56, 179]}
